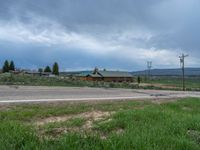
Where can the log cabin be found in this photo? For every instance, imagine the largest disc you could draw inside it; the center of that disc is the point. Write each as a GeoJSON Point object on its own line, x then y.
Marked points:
{"type": "Point", "coordinates": [108, 76]}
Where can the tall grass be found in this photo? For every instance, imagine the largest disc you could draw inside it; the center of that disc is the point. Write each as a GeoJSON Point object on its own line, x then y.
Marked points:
{"type": "Point", "coordinates": [174, 83]}
{"type": "Point", "coordinates": [11, 79]}
{"type": "Point", "coordinates": [144, 126]}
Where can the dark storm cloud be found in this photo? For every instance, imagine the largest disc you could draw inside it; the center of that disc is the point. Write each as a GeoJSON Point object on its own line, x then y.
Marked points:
{"type": "Point", "coordinates": [87, 12]}
{"type": "Point", "coordinates": [161, 27]}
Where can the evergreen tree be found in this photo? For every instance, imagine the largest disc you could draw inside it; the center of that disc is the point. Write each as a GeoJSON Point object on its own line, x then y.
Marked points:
{"type": "Point", "coordinates": [6, 66]}
{"type": "Point", "coordinates": [55, 68]}
{"type": "Point", "coordinates": [47, 69]}
{"type": "Point", "coordinates": [12, 66]}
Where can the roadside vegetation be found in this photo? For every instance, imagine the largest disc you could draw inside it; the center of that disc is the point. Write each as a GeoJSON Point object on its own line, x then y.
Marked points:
{"type": "Point", "coordinates": [12, 79]}
{"type": "Point", "coordinates": [9, 77]}
{"type": "Point", "coordinates": [140, 125]}
{"type": "Point", "coordinates": [192, 83]}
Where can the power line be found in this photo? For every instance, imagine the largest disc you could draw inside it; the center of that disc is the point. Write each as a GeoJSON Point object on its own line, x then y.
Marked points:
{"type": "Point", "coordinates": [182, 62]}
{"type": "Point", "coordinates": [149, 66]}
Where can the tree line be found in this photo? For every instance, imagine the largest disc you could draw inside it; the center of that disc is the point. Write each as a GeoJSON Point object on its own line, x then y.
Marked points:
{"type": "Point", "coordinates": [47, 69]}
{"type": "Point", "coordinates": [10, 66]}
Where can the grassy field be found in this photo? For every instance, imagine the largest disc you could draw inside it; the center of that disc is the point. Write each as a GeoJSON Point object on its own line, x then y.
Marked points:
{"type": "Point", "coordinates": [191, 83]}
{"type": "Point", "coordinates": [140, 125]}
{"type": "Point", "coordinates": [11, 79]}
{"type": "Point", "coordinates": [168, 83]}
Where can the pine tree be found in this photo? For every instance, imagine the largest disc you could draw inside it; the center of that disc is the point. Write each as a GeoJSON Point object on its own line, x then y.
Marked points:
{"type": "Point", "coordinates": [47, 69]}
{"type": "Point", "coordinates": [6, 66]}
{"type": "Point", "coordinates": [12, 66]}
{"type": "Point", "coordinates": [55, 68]}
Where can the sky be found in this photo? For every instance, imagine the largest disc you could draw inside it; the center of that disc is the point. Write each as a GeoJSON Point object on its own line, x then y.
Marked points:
{"type": "Point", "coordinates": [110, 34]}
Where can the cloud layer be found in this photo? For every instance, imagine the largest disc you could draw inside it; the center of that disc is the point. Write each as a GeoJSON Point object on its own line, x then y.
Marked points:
{"type": "Point", "coordinates": [110, 34]}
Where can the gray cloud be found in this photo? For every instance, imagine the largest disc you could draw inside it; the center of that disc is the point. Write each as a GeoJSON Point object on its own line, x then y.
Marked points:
{"type": "Point", "coordinates": [149, 29]}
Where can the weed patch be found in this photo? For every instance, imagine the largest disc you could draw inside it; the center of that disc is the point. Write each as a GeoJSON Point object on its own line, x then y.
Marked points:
{"type": "Point", "coordinates": [104, 125]}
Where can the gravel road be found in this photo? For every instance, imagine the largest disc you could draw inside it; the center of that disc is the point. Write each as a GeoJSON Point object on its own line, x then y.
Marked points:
{"type": "Point", "coordinates": [10, 94]}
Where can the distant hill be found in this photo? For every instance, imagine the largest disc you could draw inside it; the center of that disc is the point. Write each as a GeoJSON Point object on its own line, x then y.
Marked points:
{"type": "Point", "coordinates": [154, 72]}
{"type": "Point", "coordinates": [170, 72]}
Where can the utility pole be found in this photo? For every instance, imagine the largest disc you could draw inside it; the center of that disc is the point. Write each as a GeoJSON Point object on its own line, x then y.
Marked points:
{"type": "Point", "coordinates": [149, 66]}
{"type": "Point", "coordinates": [182, 62]}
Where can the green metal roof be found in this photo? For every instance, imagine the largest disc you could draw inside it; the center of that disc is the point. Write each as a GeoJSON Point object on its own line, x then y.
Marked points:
{"type": "Point", "coordinates": [114, 74]}
{"type": "Point", "coordinates": [94, 75]}
{"type": "Point", "coordinates": [100, 74]}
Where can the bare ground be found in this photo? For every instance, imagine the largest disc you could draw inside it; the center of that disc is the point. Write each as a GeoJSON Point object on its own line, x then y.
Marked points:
{"type": "Point", "coordinates": [90, 118]}
{"type": "Point", "coordinates": [93, 115]}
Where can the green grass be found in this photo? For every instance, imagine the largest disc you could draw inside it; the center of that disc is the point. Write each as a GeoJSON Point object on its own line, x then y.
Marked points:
{"type": "Point", "coordinates": [136, 125]}
{"type": "Point", "coordinates": [74, 122]}
{"type": "Point", "coordinates": [170, 83]}
{"type": "Point", "coordinates": [12, 79]}
{"type": "Point", "coordinates": [192, 83]}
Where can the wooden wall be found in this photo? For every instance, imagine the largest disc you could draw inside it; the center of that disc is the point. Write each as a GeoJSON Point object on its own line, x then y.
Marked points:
{"type": "Point", "coordinates": [107, 79]}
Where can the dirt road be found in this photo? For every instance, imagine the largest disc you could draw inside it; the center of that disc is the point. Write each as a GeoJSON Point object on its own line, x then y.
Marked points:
{"type": "Point", "coordinates": [17, 94]}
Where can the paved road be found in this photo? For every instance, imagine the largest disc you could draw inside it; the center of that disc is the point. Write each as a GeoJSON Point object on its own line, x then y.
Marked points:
{"type": "Point", "coordinates": [10, 94]}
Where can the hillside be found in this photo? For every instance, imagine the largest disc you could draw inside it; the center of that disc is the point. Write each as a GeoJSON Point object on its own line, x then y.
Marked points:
{"type": "Point", "coordinates": [170, 72]}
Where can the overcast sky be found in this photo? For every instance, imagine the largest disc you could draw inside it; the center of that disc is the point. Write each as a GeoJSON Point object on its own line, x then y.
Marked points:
{"type": "Point", "coordinates": [111, 34]}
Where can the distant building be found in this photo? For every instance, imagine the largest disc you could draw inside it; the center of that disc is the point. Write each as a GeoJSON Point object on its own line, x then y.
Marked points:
{"type": "Point", "coordinates": [36, 73]}
{"type": "Point", "coordinates": [15, 71]}
{"type": "Point", "coordinates": [107, 76]}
